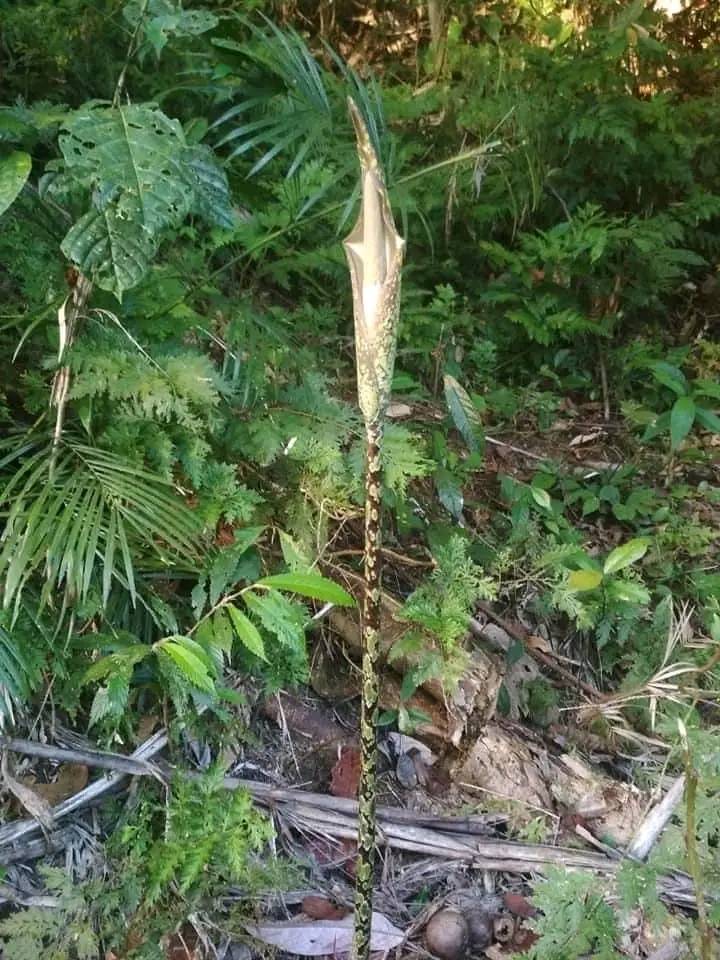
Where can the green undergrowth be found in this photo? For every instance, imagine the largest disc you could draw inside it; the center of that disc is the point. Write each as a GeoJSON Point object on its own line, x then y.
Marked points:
{"type": "Point", "coordinates": [174, 518]}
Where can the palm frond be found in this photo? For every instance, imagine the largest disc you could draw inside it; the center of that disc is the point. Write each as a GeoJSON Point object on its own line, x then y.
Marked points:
{"type": "Point", "coordinates": [93, 512]}
{"type": "Point", "coordinates": [294, 110]}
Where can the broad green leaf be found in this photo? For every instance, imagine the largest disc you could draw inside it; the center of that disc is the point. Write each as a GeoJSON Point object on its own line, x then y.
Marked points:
{"type": "Point", "coordinates": [625, 555]}
{"type": "Point", "coordinates": [160, 22]}
{"type": "Point", "coordinates": [464, 414]}
{"type": "Point", "coordinates": [293, 554]}
{"type": "Point", "coordinates": [309, 585]}
{"type": "Point", "coordinates": [707, 419]}
{"type": "Point", "coordinates": [133, 154]}
{"type": "Point", "coordinates": [222, 632]}
{"type": "Point", "coordinates": [682, 417]}
{"type": "Point", "coordinates": [14, 171]}
{"type": "Point", "coordinates": [245, 537]}
{"type": "Point", "coordinates": [671, 377]}
{"type": "Point", "coordinates": [209, 184]}
{"type": "Point", "coordinates": [580, 580]}
{"type": "Point", "coordinates": [541, 497]}
{"type": "Point", "coordinates": [248, 634]}
{"type": "Point", "coordinates": [657, 426]}
{"type": "Point", "coordinates": [279, 616]}
{"type": "Point", "coordinates": [144, 180]}
{"type": "Point", "coordinates": [449, 492]}
{"type": "Point", "coordinates": [628, 591]}
{"type": "Point", "coordinates": [707, 388]}
{"type": "Point", "coordinates": [123, 660]}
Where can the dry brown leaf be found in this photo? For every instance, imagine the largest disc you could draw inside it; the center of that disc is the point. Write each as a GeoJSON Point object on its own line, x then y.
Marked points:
{"type": "Point", "coordinates": [396, 411]}
{"type": "Point", "coordinates": [345, 780]}
{"type": "Point", "coordinates": [320, 908]}
{"type": "Point", "coordinates": [539, 643]}
{"type": "Point", "coordinates": [71, 779]}
{"type": "Point", "coordinates": [586, 438]}
{"type": "Point", "coordinates": [35, 805]}
{"type": "Point", "coordinates": [517, 904]}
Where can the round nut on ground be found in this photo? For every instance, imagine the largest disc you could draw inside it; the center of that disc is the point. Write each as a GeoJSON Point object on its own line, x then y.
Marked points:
{"type": "Point", "coordinates": [480, 927]}
{"type": "Point", "coordinates": [446, 935]}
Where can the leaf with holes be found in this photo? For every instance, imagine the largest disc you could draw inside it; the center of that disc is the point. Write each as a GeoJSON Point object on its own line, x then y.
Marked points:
{"type": "Point", "coordinates": [114, 251]}
{"type": "Point", "coordinates": [144, 179]}
{"type": "Point", "coordinates": [131, 157]}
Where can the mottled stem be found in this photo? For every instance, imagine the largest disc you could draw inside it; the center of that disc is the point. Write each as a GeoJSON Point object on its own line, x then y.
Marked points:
{"type": "Point", "coordinates": [368, 720]}
{"type": "Point", "coordinates": [69, 317]}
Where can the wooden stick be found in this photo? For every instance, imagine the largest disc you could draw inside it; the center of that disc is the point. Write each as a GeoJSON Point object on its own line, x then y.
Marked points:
{"type": "Point", "coordinates": [91, 758]}
{"type": "Point", "coordinates": [656, 821]}
{"type": "Point", "coordinates": [521, 636]}
{"type": "Point", "coordinates": [11, 832]}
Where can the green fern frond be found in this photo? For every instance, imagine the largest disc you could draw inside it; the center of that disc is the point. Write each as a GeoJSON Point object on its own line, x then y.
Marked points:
{"type": "Point", "coordinates": [24, 646]}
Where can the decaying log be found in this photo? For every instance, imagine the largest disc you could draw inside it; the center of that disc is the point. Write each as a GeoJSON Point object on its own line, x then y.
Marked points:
{"type": "Point", "coordinates": [474, 697]}
{"type": "Point", "coordinates": [505, 766]}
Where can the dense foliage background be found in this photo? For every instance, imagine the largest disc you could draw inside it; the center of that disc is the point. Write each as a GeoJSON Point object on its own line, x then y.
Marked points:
{"type": "Point", "coordinates": [181, 455]}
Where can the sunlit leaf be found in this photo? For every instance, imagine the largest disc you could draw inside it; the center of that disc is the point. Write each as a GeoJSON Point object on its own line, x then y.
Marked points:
{"type": "Point", "coordinates": [309, 585]}
{"type": "Point", "coordinates": [625, 555]}
{"type": "Point", "coordinates": [14, 171]}
{"type": "Point", "coordinates": [580, 580]}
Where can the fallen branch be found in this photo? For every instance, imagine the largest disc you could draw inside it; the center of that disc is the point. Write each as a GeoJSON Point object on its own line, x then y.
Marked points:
{"type": "Point", "coordinates": [451, 838]}
{"type": "Point", "coordinates": [117, 762]}
{"type": "Point", "coordinates": [10, 833]}
{"type": "Point", "coordinates": [656, 821]}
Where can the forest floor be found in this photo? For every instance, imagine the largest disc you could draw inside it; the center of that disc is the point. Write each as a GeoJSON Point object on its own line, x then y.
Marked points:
{"type": "Point", "coordinates": [480, 796]}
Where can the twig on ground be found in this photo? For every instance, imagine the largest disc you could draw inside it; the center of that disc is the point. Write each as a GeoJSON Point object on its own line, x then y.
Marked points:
{"type": "Point", "coordinates": [91, 758]}
{"type": "Point", "coordinates": [10, 833]}
{"type": "Point", "coordinates": [543, 658]}
{"type": "Point", "coordinates": [656, 821]}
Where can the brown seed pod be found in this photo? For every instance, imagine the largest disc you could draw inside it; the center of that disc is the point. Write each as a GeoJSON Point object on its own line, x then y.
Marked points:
{"type": "Point", "coordinates": [504, 929]}
{"type": "Point", "coordinates": [480, 927]}
{"type": "Point", "coordinates": [446, 935]}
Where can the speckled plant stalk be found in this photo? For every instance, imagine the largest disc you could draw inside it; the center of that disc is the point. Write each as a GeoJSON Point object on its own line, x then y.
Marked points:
{"type": "Point", "coordinates": [374, 252]}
